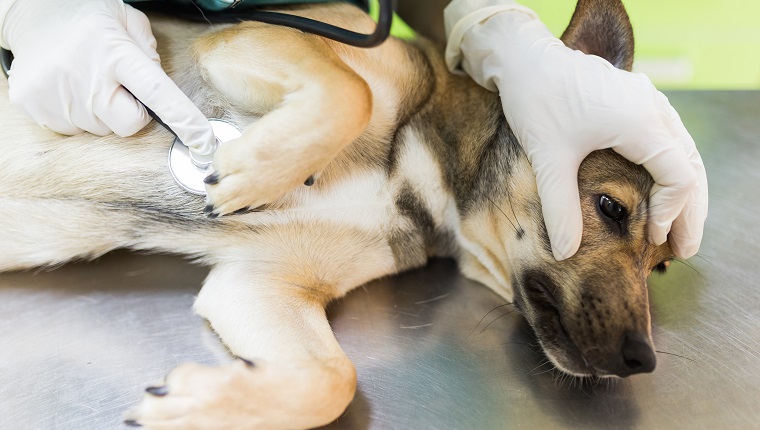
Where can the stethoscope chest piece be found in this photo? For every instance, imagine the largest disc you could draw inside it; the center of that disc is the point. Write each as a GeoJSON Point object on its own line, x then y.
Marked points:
{"type": "Point", "coordinates": [188, 173]}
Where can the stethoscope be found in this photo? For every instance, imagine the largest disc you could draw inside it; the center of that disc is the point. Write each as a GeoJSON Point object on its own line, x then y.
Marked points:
{"type": "Point", "coordinates": [188, 166]}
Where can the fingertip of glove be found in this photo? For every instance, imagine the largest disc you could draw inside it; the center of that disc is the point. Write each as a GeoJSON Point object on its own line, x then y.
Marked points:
{"type": "Point", "coordinates": [564, 228]}
{"type": "Point", "coordinates": [685, 247]}
{"type": "Point", "coordinates": [658, 234]}
{"type": "Point", "coordinates": [559, 255]}
{"type": "Point", "coordinates": [562, 254]}
{"type": "Point", "coordinates": [564, 247]}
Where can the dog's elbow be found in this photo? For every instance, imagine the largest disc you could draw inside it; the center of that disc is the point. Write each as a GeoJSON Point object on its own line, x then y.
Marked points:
{"type": "Point", "coordinates": [351, 100]}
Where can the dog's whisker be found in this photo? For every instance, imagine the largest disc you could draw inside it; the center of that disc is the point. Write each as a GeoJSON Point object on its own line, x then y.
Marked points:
{"type": "Point", "coordinates": [708, 260]}
{"type": "Point", "coordinates": [492, 321]}
{"type": "Point", "coordinates": [509, 199]}
{"type": "Point", "coordinates": [560, 379]}
{"type": "Point", "coordinates": [690, 267]}
{"type": "Point", "coordinates": [544, 362]}
{"type": "Point", "coordinates": [505, 215]}
{"type": "Point", "coordinates": [542, 372]}
{"type": "Point", "coordinates": [484, 317]}
{"type": "Point", "coordinates": [676, 355]}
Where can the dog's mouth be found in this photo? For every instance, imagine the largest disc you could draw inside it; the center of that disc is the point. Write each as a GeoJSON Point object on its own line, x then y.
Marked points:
{"type": "Point", "coordinates": [536, 300]}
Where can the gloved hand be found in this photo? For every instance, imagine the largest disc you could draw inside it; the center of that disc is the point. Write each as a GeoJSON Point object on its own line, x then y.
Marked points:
{"type": "Point", "coordinates": [77, 61]}
{"type": "Point", "coordinates": [563, 104]}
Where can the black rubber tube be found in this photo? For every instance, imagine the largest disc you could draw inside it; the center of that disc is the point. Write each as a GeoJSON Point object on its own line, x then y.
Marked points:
{"type": "Point", "coordinates": [6, 58]}
{"type": "Point", "coordinates": [361, 40]}
{"type": "Point", "coordinates": [329, 31]}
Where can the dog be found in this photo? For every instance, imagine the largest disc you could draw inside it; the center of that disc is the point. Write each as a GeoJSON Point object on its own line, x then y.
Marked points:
{"type": "Point", "coordinates": [408, 162]}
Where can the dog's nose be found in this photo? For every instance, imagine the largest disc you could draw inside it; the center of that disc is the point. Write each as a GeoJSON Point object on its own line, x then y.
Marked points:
{"type": "Point", "coordinates": [637, 356]}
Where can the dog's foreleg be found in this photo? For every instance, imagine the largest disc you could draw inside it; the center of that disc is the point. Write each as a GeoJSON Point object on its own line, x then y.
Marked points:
{"type": "Point", "coordinates": [313, 105]}
{"type": "Point", "coordinates": [298, 376]}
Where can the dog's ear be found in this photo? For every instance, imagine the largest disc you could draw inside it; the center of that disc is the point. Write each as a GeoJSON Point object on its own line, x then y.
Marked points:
{"type": "Point", "coordinates": [602, 27]}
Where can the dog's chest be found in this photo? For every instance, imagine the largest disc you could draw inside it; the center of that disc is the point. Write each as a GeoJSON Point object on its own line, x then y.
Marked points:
{"type": "Point", "coordinates": [375, 199]}
{"type": "Point", "coordinates": [361, 199]}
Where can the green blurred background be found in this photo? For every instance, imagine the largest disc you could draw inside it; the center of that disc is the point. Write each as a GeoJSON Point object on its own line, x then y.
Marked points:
{"type": "Point", "coordinates": [696, 44]}
{"type": "Point", "coordinates": [680, 44]}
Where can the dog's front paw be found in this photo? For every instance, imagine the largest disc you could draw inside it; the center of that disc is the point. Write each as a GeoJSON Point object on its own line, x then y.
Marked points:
{"type": "Point", "coordinates": [246, 181]}
{"type": "Point", "coordinates": [228, 193]}
{"type": "Point", "coordinates": [240, 395]}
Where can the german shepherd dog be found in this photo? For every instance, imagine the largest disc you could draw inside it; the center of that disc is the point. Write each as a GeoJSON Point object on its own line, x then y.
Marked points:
{"type": "Point", "coordinates": [409, 162]}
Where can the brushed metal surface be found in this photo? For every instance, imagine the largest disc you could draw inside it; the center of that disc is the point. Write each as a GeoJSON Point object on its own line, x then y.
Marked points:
{"type": "Point", "coordinates": [79, 344]}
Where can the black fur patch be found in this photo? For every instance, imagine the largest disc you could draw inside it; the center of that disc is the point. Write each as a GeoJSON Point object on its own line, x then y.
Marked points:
{"type": "Point", "coordinates": [410, 248]}
{"type": "Point", "coordinates": [411, 206]}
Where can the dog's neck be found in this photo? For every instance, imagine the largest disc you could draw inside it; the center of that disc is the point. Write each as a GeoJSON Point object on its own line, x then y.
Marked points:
{"type": "Point", "coordinates": [480, 161]}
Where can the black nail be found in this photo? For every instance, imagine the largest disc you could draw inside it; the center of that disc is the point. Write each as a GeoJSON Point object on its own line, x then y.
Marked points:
{"type": "Point", "coordinates": [208, 209]}
{"type": "Point", "coordinates": [158, 391]}
{"type": "Point", "coordinates": [213, 215]}
{"type": "Point", "coordinates": [309, 181]}
{"type": "Point", "coordinates": [248, 363]}
{"type": "Point", "coordinates": [212, 179]}
{"type": "Point", "coordinates": [132, 423]}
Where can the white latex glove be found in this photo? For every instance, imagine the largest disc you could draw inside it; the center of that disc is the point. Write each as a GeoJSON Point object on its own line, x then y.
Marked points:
{"type": "Point", "coordinates": [76, 59]}
{"type": "Point", "coordinates": [563, 104]}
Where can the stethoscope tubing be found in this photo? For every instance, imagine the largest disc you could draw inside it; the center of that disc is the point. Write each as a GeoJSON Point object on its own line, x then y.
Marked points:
{"type": "Point", "coordinates": [361, 40]}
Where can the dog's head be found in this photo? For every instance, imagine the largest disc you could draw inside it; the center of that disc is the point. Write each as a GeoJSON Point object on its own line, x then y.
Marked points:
{"type": "Point", "coordinates": [591, 311]}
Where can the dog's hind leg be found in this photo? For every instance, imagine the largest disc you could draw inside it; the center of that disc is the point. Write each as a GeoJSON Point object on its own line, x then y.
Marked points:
{"type": "Point", "coordinates": [313, 105]}
{"type": "Point", "coordinates": [298, 376]}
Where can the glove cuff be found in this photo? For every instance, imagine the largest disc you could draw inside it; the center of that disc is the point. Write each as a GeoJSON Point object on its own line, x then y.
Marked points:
{"type": "Point", "coordinates": [5, 6]}
{"type": "Point", "coordinates": [456, 28]}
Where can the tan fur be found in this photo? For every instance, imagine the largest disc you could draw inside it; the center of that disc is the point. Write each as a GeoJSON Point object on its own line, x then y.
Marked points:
{"type": "Point", "coordinates": [301, 74]}
{"type": "Point", "coordinates": [413, 163]}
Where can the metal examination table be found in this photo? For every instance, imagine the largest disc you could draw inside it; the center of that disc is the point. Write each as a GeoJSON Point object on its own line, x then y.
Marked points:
{"type": "Point", "coordinates": [79, 344]}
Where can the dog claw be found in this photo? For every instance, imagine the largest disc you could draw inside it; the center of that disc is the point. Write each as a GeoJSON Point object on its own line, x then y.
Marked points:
{"type": "Point", "coordinates": [248, 363]}
{"type": "Point", "coordinates": [210, 211]}
{"type": "Point", "coordinates": [212, 179]}
{"type": "Point", "coordinates": [132, 423]}
{"type": "Point", "coordinates": [158, 391]}
{"type": "Point", "coordinates": [309, 181]}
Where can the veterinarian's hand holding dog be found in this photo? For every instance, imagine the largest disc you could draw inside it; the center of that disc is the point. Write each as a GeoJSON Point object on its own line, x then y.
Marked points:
{"type": "Point", "coordinates": [78, 63]}
{"type": "Point", "coordinates": [563, 104]}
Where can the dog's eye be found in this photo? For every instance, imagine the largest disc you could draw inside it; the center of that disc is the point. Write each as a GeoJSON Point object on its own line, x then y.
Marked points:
{"type": "Point", "coordinates": [662, 267]}
{"type": "Point", "coordinates": [611, 209]}
{"type": "Point", "coordinates": [613, 214]}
